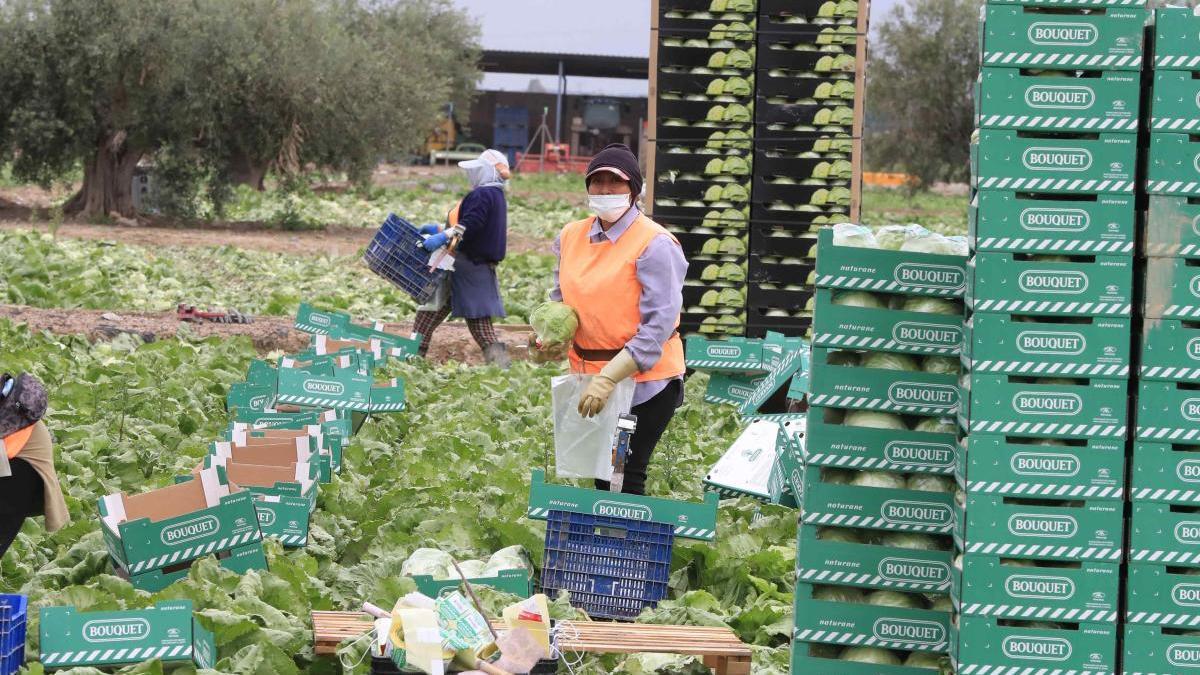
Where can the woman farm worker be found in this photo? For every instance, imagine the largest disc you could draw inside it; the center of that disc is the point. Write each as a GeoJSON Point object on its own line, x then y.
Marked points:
{"type": "Point", "coordinates": [473, 292]}
{"type": "Point", "coordinates": [623, 274]}
{"type": "Point", "coordinates": [28, 484]}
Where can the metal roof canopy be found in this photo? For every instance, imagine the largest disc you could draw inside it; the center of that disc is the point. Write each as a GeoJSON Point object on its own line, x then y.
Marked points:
{"type": "Point", "coordinates": [548, 63]}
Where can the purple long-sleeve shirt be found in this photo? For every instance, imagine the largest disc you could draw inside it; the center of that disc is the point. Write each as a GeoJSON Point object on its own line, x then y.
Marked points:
{"type": "Point", "coordinates": [660, 271]}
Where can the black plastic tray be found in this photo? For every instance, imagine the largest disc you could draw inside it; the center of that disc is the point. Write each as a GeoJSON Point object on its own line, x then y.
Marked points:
{"type": "Point", "coordinates": [666, 133]}
{"type": "Point", "coordinates": [693, 294]}
{"type": "Point", "coordinates": [690, 190]}
{"type": "Point", "coordinates": [795, 87]}
{"type": "Point", "coordinates": [767, 58]}
{"type": "Point", "coordinates": [792, 114]}
{"type": "Point", "coordinates": [761, 215]}
{"type": "Point", "coordinates": [764, 192]}
{"type": "Point", "coordinates": [792, 301]}
{"type": "Point", "coordinates": [762, 244]}
{"type": "Point", "coordinates": [687, 224]}
{"type": "Point", "coordinates": [692, 83]}
{"type": "Point", "coordinates": [777, 273]}
{"type": "Point", "coordinates": [692, 244]}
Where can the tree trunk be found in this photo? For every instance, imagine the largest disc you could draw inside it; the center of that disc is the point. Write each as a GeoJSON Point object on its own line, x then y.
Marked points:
{"type": "Point", "coordinates": [107, 182]}
{"type": "Point", "coordinates": [244, 170]}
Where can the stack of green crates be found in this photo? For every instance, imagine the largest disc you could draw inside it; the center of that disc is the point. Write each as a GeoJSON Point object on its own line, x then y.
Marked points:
{"type": "Point", "coordinates": [874, 562]}
{"type": "Point", "coordinates": [1045, 383]}
{"type": "Point", "coordinates": [1162, 594]}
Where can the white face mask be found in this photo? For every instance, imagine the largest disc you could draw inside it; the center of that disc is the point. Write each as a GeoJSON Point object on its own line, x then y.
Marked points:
{"type": "Point", "coordinates": [609, 207]}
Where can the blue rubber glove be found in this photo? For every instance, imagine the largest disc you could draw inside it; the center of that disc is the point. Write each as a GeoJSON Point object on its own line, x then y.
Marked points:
{"type": "Point", "coordinates": [430, 228]}
{"type": "Point", "coordinates": [436, 241]}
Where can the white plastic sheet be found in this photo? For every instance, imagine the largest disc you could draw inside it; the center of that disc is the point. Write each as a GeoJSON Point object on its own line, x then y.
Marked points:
{"type": "Point", "coordinates": [583, 445]}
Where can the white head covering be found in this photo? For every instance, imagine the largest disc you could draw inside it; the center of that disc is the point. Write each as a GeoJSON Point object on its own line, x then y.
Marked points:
{"type": "Point", "coordinates": [482, 170]}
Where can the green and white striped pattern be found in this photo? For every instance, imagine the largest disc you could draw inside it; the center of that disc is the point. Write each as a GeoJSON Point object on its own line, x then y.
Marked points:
{"type": "Point", "coordinates": [878, 344]}
{"type": "Point", "coordinates": [1059, 307]}
{"type": "Point", "coordinates": [1045, 551]}
{"type": "Point", "coordinates": [1178, 62]}
{"type": "Point", "coordinates": [680, 530]}
{"type": "Point", "coordinates": [863, 463]}
{"type": "Point", "coordinates": [116, 656]}
{"type": "Point", "coordinates": [309, 328]}
{"type": "Point", "coordinates": [1181, 312]}
{"type": "Point", "coordinates": [321, 402]}
{"type": "Point", "coordinates": [1163, 557]}
{"type": "Point", "coordinates": [1079, 124]}
{"type": "Point", "coordinates": [1175, 123]}
{"type": "Point", "coordinates": [711, 398]}
{"type": "Point", "coordinates": [1039, 613]}
{"type": "Point", "coordinates": [871, 522]}
{"type": "Point", "coordinates": [1170, 373]}
{"type": "Point", "coordinates": [1173, 187]}
{"type": "Point", "coordinates": [1042, 368]}
{"type": "Point", "coordinates": [1173, 434]}
{"type": "Point", "coordinates": [1164, 495]}
{"type": "Point", "coordinates": [196, 551]}
{"type": "Point", "coordinates": [1047, 429]}
{"type": "Point", "coordinates": [293, 540]}
{"type": "Point", "coordinates": [388, 407]}
{"type": "Point", "coordinates": [1034, 245]}
{"type": "Point", "coordinates": [882, 285]}
{"type": "Point", "coordinates": [1163, 619]}
{"type": "Point", "coordinates": [733, 493]}
{"type": "Point", "coordinates": [1165, 250]}
{"type": "Point", "coordinates": [972, 669]}
{"type": "Point", "coordinates": [824, 576]}
{"type": "Point", "coordinates": [1080, 3]}
{"type": "Point", "coordinates": [864, 403]}
{"type": "Point", "coordinates": [861, 640]}
{"type": "Point", "coordinates": [1053, 184]}
{"type": "Point", "coordinates": [1064, 61]}
{"type": "Point", "coordinates": [725, 365]}
{"type": "Point", "coordinates": [1009, 489]}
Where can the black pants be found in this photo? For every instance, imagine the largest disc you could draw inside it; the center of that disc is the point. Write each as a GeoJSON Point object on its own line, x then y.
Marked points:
{"type": "Point", "coordinates": [21, 496]}
{"type": "Point", "coordinates": [653, 416]}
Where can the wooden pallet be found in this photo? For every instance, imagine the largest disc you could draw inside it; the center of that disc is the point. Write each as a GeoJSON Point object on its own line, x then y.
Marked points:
{"type": "Point", "coordinates": [720, 648]}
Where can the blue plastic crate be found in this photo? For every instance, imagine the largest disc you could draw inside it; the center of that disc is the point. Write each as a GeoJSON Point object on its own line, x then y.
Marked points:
{"type": "Point", "coordinates": [396, 254]}
{"type": "Point", "coordinates": [13, 610]}
{"type": "Point", "coordinates": [612, 567]}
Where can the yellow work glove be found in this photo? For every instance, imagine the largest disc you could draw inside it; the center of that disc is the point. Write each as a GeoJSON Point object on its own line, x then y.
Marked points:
{"type": "Point", "coordinates": [595, 397]}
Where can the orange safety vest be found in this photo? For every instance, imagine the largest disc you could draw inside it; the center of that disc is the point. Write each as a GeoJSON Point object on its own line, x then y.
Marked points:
{"type": "Point", "coordinates": [15, 442]}
{"type": "Point", "coordinates": [599, 281]}
{"type": "Point", "coordinates": [452, 215]}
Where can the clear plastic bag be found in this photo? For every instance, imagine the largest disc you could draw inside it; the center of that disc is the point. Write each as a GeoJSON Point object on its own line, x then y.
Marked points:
{"type": "Point", "coordinates": [583, 445]}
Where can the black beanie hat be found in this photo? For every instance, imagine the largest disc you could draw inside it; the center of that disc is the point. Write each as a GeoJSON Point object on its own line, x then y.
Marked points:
{"type": "Point", "coordinates": [617, 156]}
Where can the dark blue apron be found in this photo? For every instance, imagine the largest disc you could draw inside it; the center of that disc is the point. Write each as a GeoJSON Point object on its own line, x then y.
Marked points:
{"type": "Point", "coordinates": [474, 290]}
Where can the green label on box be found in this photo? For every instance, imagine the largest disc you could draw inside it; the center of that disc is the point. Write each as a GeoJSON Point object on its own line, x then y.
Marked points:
{"type": "Point", "coordinates": [1170, 350]}
{"type": "Point", "coordinates": [388, 398]}
{"type": "Point", "coordinates": [988, 525]}
{"type": "Point", "coordinates": [1001, 343]}
{"type": "Point", "coordinates": [906, 272]}
{"type": "Point", "coordinates": [1011, 222]}
{"type": "Point", "coordinates": [1177, 39]}
{"type": "Point", "coordinates": [345, 389]}
{"type": "Point", "coordinates": [795, 360]}
{"type": "Point", "coordinates": [1165, 473]}
{"type": "Point", "coordinates": [880, 389]}
{"type": "Point", "coordinates": [872, 508]}
{"type": "Point", "coordinates": [985, 646]}
{"type": "Point", "coordinates": [870, 565]}
{"type": "Point", "coordinates": [1009, 99]}
{"type": "Point", "coordinates": [732, 389]}
{"type": "Point", "coordinates": [311, 320]}
{"type": "Point", "coordinates": [1168, 413]}
{"type": "Point", "coordinates": [1010, 161]}
{"type": "Point", "coordinates": [999, 282]}
{"type": "Point", "coordinates": [1159, 597]}
{"type": "Point", "coordinates": [1176, 107]}
{"type": "Point", "coordinates": [1164, 537]}
{"type": "Point", "coordinates": [737, 355]}
{"type": "Point", "coordinates": [887, 627]}
{"type": "Point", "coordinates": [167, 631]}
{"type": "Point", "coordinates": [1151, 650]}
{"type": "Point", "coordinates": [987, 587]}
{"type": "Point", "coordinates": [1172, 288]}
{"type": "Point", "coordinates": [1173, 227]}
{"type": "Point", "coordinates": [1174, 165]}
{"type": "Point", "coordinates": [860, 448]}
{"type": "Point", "coordinates": [1002, 404]}
{"type": "Point", "coordinates": [884, 330]}
{"type": "Point", "coordinates": [995, 465]}
{"type": "Point", "coordinates": [1110, 39]}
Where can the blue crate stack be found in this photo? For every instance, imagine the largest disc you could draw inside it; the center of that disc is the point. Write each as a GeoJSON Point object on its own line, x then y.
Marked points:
{"type": "Point", "coordinates": [13, 610]}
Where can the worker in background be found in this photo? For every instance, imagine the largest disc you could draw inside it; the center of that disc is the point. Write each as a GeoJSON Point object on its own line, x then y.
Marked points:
{"type": "Point", "coordinates": [623, 274]}
{"type": "Point", "coordinates": [28, 483]}
{"type": "Point", "coordinates": [472, 291]}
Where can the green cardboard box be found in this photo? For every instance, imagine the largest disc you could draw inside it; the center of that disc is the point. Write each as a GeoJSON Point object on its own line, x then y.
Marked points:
{"type": "Point", "coordinates": [1158, 595]}
{"type": "Point", "coordinates": [873, 508]}
{"type": "Point", "coordinates": [816, 658]}
{"type": "Point", "coordinates": [1173, 288]}
{"type": "Point", "coordinates": [1008, 98]}
{"type": "Point", "coordinates": [177, 523]}
{"type": "Point", "coordinates": [731, 389]}
{"type": "Point", "coordinates": [312, 320]}
{"type": "Point", "coordinates": [1172, 227]}
{"type": "Point", "coordinates": [1005, 404]}
{"type": "Point", "coordinates": [731, 355]}
{"type": "Point", "coordinates": [1165, 473]}
{"type": "Point", "coordinates": [1012, 160]}
{"type": "Point", "coordinates": [867, 448]}
{"type": "Point", "coordinates": [786, 482]}
{"type": "Point", "coordinates": [986, 646]}
{"type": "Point", "coordinates": [995, 465]}
{"type": "Point", "coordinates": [390, 344]}
{"type": "Point", "coordinates": [1007, 221]}
{"type": "Point", "coordinates": [1155, 650]}
{"type": "Point", "coordinates": [869, 625]}
{"type": "Point", "coordinates": [1008, 528]}
{"type": "Point", "coordinates": [904, 272]}
{"type": "Point", "coordinates": [1173, 165]}
{"type": "Point", "coordinates": [1001, 282]}
{"type": "Point", "coordinates": [883, 330]}
{"type": "Point", "coordinates": [388, 397]}
{"type": "Point", "coordinates": [988, 586]}
{"type": "Point", "coordinates": [284, 496]}
{"type": "Point", "coordinates": [869, 565]}
{"type": "Point", "coordinates": [1168, 413]}
{"type": "Point", "coordinates": [745, 469]}
{"type": "Point", "coordinates": [1176, 39]}
{"type": "Point", "coordinates": [860, 388]}
{"type": "Point", "coordinates": [249, 396]}
{"type": "Point", "coordinates": [1163, 536]}
{"type": "Point", "coordinates": [270, 448]}
{"type": "Point", "coordinates": [513, 581]}
{"type": "Point", "coordinates": [1083, 39]}
{"type": "Point", "coordinates": [168, 631]}
{"type": "Point", "coordinates": [345, 389]}
{"type": "Point", "coordinates": [1176, 106]}
{"type": "Point", "coordinates": [794, 359]}
{"type": "Point", "coordinates": [1004, 343]}
{"type": "Point", "coordinates": [1170, 350]}
{"type": "Point", "coordinates": [261, 373]}
{"type": "Point", "coordinates": [241, 559]}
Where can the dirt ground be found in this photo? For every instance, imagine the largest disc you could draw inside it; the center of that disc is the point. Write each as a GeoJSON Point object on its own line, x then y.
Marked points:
{"type": "Point", "coordinates": [451, 342]}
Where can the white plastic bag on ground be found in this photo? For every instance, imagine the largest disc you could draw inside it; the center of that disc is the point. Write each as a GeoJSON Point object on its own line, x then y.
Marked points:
{"type": "Point", "coordinates": [583, 445]}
